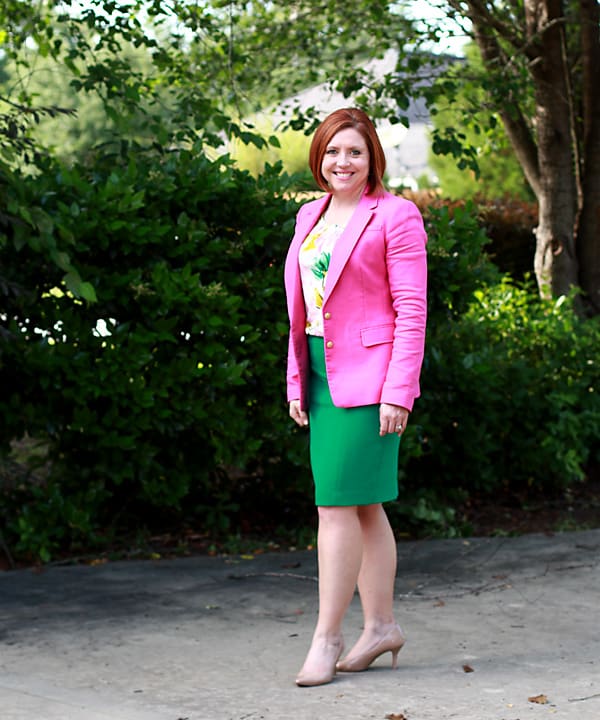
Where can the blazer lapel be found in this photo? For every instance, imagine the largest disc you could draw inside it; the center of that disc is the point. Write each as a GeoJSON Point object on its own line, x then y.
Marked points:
{"type": "Point", "coordinates": [309, 219]}
{"type": "Point", "coordinates": [347, 240]}
{"type": "Point", "coordinates": [305, 223]}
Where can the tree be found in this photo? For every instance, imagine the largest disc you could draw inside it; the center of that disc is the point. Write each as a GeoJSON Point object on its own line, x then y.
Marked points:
{"type": "Point", "coordinates": [542, 60]}
{"type": "Point", "coordinates": [48, 85]}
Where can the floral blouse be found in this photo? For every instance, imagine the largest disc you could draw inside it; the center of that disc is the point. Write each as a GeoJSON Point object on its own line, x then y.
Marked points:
{"type": "Point", "coordinates": [314, 258]}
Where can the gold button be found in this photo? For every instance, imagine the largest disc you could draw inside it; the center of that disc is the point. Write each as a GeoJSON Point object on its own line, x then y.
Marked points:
{"type": "Point", "coordinates": [327, 315]}
{"type": "Point", "coordinates": [329, 344]}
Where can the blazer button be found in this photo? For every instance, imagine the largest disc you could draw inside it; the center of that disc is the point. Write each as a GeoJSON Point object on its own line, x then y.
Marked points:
{"type": "Point", "coordinates": [329, 344]}
{"type": "Point", "coordinates": [327, 315]}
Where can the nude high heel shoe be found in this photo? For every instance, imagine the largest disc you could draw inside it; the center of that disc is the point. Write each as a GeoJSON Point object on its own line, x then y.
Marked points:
{"type": "Point", "coordinates": [392, 641]}
{"type": "Point", "coordinates": [332, 650]}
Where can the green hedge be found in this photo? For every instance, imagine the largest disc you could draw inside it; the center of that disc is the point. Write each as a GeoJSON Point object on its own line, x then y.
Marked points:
{"type": "Point", "coordinates": [180, 399]}
{"type": "Point", "coordinates": [516, 383]}
{"type": "Point", "coordinates": [511, 392]}
{"type": "Point", "coordinates": [159, 400]}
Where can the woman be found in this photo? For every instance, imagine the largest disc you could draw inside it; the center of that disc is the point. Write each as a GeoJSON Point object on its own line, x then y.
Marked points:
{"type": "Point", "coordinates": [355, 279]}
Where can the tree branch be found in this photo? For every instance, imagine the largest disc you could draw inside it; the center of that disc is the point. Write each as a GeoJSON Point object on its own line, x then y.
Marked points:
{"type": "Point", "coordinates": [514, 121]}
{"type": "Point", "coordinates": [479, 14]}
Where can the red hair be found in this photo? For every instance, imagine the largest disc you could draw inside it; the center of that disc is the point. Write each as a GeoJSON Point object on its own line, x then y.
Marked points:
{"type": "Point", "coordinates": [340, 120]}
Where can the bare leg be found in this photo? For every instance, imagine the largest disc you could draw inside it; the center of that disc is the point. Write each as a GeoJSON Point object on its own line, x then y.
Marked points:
{"type": "Point", "coordinates": [378, 567]}
{"type": "Point", "coordinates": [339, 551]}
{"type": "Point", "coordinates": [376, 582]}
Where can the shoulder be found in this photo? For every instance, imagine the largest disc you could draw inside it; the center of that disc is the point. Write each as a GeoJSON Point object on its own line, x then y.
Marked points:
{"type": "Point", "coordinates": [401, 221]}
{"type": "Point", "coordinates": [394, 210]}
{"type": "Point", "coordinates": [391, 203]}
{"type": "Point", "coordinates": [310, 206]}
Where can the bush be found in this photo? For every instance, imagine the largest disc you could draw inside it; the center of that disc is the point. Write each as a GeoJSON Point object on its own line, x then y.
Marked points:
{"type": "Point", "coordinates": [511, 397]}
{"type": "Point", "coordinates": [150, 376]}
{"type": "Point", "coordinates": [166, 393]}
{"type": "Point", "coordinates": [508, 224]}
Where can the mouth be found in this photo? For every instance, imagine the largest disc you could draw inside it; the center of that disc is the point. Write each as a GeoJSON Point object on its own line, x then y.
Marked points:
{"type": "Point", "coordinates": [343, 175]}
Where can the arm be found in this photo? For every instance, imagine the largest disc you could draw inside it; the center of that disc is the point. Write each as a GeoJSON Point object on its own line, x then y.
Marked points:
{"type": "Point", "coordinates": [406, 263]}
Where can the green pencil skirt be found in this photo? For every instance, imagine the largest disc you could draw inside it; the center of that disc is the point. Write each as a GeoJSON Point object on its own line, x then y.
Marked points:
{"type": "Point", "coordinates": [351, 464]}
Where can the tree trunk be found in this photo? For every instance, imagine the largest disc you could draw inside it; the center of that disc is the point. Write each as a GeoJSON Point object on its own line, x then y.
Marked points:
{"type": "Point", "coordinates": [588, 235]}
{"type": "Point", "coordinates": [555, 262]}
{"type": "Point", "coordinates": [548, 160]}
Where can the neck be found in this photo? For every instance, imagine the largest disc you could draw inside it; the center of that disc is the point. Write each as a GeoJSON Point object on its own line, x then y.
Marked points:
{"type": "Point", "coordinates": [340, 209]}
{"type": "Point", "coordinates": [344, 202]}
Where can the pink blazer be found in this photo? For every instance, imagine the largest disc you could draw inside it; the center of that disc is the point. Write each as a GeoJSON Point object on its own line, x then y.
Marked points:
{"type": "Point", "coordinates": [374, 307]}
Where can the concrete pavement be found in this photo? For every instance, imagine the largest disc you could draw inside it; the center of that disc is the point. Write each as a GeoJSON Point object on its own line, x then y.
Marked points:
{"type": "Point", "coordinates": [222, 638]}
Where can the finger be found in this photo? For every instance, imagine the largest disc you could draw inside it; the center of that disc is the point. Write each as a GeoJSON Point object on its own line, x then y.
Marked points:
{"type": "Point", "coordinates": [294, 410]}
{"type": "Point", "coordinates": [386, 426]}
{"type": "Point", "coordinates": [300, 417]}
{"type": "Point", "coordinates": [383, 425]}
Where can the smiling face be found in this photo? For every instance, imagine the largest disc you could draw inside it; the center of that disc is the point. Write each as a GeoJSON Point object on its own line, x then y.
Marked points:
{"type": "Point", "coordinates": [346, 163]}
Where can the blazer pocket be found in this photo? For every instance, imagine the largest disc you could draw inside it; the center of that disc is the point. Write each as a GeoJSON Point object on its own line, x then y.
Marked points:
{"type": "Point", "coordinates": [377, 335]}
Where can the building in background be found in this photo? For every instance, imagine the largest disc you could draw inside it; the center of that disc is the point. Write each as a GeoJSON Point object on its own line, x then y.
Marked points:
{"type": "Point", "coordinates": [406, 149]}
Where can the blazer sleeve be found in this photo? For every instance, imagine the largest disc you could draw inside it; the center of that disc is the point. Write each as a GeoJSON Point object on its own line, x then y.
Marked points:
{"type": "Point", "coordinates": [294, 387]}
{"type": "Point", "coordinates": [297, 360]}
{"type": "Point", "coordinates": [406, 262]}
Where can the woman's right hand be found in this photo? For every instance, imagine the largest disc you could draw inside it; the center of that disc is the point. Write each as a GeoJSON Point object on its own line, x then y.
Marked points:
{"type": "Point", "coordinates": [298, 415]}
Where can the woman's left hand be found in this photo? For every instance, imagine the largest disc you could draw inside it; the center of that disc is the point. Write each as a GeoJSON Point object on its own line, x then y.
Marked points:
{"type": "Point", "coordinates": [392, 419]}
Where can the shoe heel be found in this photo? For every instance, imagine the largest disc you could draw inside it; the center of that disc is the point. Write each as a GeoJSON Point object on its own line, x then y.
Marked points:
{"type": "Point", "coordinates": [396, 650]}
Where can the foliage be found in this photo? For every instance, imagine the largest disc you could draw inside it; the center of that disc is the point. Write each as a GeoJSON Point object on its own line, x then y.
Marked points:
{"type": "Point", "coordinates": [511, 397]}
{"type": "Point", "coordinates": [498, 171]}
{"type": "Point", "coordinates": [538, 73]}
{"type": "Point", "coordinates": [142, 318]}
{"type": "Point", "coordinates": [170, 384]}
{"type": "Point", "coordinates": [280, 48]}
{"type": "Point", "coordinates": [506, 226]}
{"type": "Point", "coordinates": [457, 263]}
{"type": "Point", "coordinates": [214, 63]}
{"type": "Point", "coordinates": [290, 147]}
{"type": "Point", "coordinates": [204, 66]}
{"type": "Point", "coordinates": [174, 411]}
{"type": "Point", "coordinates": [79, 121]}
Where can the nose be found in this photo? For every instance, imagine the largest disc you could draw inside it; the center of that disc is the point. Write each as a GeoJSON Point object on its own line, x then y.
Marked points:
{"type": "Point", "coordinates": [343, 158]}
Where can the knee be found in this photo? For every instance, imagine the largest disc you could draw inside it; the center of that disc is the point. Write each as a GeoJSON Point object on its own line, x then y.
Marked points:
{"type": "Point", "coordinates": [373, 510]}
{"type": "Point", "coordinates": [337, 515]}
{"type": "Point", "coordinates": [371, 514]}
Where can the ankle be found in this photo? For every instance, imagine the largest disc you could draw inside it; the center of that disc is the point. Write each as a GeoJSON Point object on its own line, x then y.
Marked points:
{"type": "Point", "coordinates": [327, 639]}
{"type": "Point", "coordinates": [380, 626]}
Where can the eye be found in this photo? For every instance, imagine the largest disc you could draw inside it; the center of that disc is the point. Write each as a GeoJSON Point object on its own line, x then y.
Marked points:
{"type": "Point", "coordinates": [356, 152]}
{"type": "Point", "coordinates": [331, 151]}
